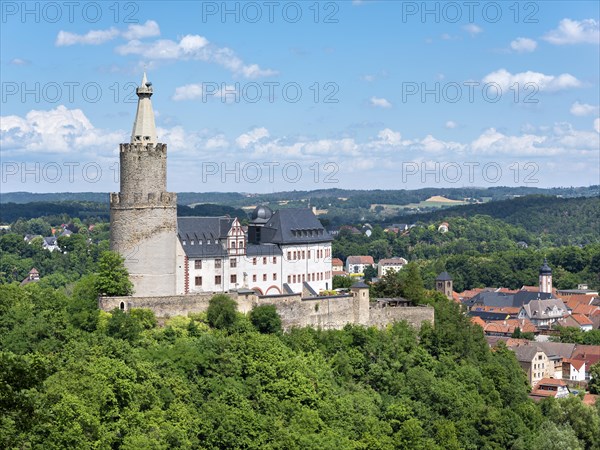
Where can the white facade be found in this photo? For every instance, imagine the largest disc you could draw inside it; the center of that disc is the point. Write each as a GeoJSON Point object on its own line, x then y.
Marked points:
{"type": "Point", "coordinates": [385, 265]}
{"type": "Point", "coordinates": [234, 263]}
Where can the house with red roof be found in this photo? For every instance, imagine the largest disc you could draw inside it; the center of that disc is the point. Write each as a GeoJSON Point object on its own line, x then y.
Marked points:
{"type": "Point", "coordinates": [549, 387]}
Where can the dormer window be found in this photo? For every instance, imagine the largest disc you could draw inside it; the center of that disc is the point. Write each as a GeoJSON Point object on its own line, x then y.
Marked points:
{"type": "Point", "coordinates": [183, 243]}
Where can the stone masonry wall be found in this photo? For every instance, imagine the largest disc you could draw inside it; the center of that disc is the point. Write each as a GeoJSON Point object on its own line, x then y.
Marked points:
{"type": "Point", "coordinates": [319, 312]}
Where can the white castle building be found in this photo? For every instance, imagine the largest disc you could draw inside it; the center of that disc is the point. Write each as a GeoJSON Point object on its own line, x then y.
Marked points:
{"type": "Point", "coordinates": [282, 252]}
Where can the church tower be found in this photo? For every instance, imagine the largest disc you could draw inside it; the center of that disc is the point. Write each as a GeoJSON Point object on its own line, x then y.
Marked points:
{"type": "Point", "coordinates": [143, 215]}
{"type": "Point", "coordinates": [546, 278]}
{"type": "Point", "coordinates": [443, 284]}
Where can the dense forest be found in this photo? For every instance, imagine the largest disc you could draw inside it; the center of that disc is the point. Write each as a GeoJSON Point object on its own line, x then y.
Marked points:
{"type": "Point", "coordinates": [74, 377]}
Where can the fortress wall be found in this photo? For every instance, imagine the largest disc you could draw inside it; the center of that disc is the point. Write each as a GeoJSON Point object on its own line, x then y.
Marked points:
{"type": "Point", "coordinates": [319, 312]}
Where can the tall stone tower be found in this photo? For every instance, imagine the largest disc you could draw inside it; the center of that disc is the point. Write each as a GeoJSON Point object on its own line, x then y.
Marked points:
{"type": "Point", "coordinates": [443, 284]}
{"type": "Point", "coordinates": [143, 215]}
{"type": "Point", "coordinates": [546, 278]}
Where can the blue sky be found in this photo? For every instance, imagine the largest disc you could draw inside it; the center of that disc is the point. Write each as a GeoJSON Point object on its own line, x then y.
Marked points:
{"type": "Point", "coordinates": [271, 96]}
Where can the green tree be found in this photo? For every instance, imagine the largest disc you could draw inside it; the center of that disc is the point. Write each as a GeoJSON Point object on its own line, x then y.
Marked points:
{"type": "Point", "coordinates": [265, 319]}
{"type": "Point", "coordinates": [369, 273]}
{"type": "Point", "coordinates": [113, 278]}
{"type": "Point", "coordinates": [221, 312]}
{"type": "Point", "coordinates": [594, 383]}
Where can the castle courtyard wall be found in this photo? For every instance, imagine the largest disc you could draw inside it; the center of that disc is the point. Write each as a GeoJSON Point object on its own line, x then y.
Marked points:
{"type": "Point", "coordinates": [331, 312]}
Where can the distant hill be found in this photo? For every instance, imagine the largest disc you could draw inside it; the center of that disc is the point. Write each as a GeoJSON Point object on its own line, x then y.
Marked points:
{"type": "Point", "coordinates": [10, 212]}
{"type": "Point", "coordinates": [571, 220]}
{"type": "Point", "coordinates": [323, 197]}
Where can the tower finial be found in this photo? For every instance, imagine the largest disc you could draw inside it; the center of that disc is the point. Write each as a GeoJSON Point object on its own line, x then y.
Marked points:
{"type": "Point", "coordinates": [144, 129]}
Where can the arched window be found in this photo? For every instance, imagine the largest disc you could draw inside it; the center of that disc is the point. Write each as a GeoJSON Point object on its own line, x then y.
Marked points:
{"type": "Point", "coordinates": [122, 306]}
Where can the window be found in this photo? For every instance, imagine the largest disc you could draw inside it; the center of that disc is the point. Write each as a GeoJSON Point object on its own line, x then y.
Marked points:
{"type": "Point", "coordinates": [289, 278]}
{"type": "Point", "coordinates": [233, 262]}
{"type": "Point", "coordinates": [233, 244]}
{"type": "Point", "coordinates": [241, 244]}
{"type": "Point", "coordinates": [182, 242]}
{"type": "Point", "coordinates": [264, 277]}
{"type": "Point", "coordinates": [253, 261]}
{"type": "Point", "coordinates": [295, 255]}
{"type": "Point", "coordinates": [274, 259]}
{"type": "Point", "coordinates": [303, 254]}
{"type": "Point", "coordinates": [198, 264]}
{"type": "Point", "coordinates": [294, 278]}
{"type": "Point", "coordinates": [217, 263]}
{"type": "Point", "coordinates": [192, 242]}
{"type": "Point", "coordinates": [198, 281]}
{"type": "Point", "coordinates": [264, 259]}
{"type": "Point", "coordinates": [308, 254]}
{"type": "Point", "coordinates": [289, 253]}
{"type": "Point", "coordinates": [254, 278]}
{"type": "Point", "coordinates": [233, 278]}
{"type": "Point", "coordinates": [217, 279]}
{"type": "Point", "coordinates": [303, 278]}
{"type": "Point", "coordinates": [274, 277]}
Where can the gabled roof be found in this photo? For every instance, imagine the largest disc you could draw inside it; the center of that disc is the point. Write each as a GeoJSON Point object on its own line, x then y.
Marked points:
{"type": "Point", "coordinates": [526, 353]}
{"type": "Point", "coordinates": [337, 262]}
{"type": "Point", "coordinates": [541, 309]}
{"type": "Point", "coordinates": [577, 363]}
{"type": "Point", "coordinates": [360, 260]}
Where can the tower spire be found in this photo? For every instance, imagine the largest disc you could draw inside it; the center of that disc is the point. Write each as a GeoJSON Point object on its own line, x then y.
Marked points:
{"type": "Point", "coordinates": [144, 129]}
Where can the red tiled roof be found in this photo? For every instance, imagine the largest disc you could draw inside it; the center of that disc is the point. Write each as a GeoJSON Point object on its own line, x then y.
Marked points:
{"type": "Point", "coordinates": [478, 321]}
{"type": "Point", "coordinates": [337, 262]}
{"type": "Point", "coordinates": [577, 363]}
{"type": "Point", "coordinates": [455, 297]}
{"type": "Point", "coordinates": [550, 382]}
{"type": "Point", "coordinates": [581, 319]}
{"type": "Point", "coordinates": [586, 310]}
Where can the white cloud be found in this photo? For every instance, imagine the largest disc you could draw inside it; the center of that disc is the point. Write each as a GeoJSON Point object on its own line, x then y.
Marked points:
{"type": "Point", "coordinates": [574, 32]}
{"type": "Point", "coordinates": [193, 47]}
{"type": "Point", "coordinates": [148, 29]}
{"type": "Point", "coordinates": [253, 136]}
{"type": "Point", "coordinates": [523, 45]}
{"type": "Point", "coordinates": [597, 125]}
{"type": "Point", "coordinates": [59, 130]}
{"type": "Point", "coordinates": [19, 62]}
{"type": "Point", "coordinates": [583, 109]}
{"type": "Point", "coordinates": [97, 37]}
{"type": "Point", "coordinates": [227, 93]}
{"type": "Point", "coordinates": [389, 137]}
{"type": "Point", "coordinates": [451, 124]}
{"type": "Point", "coordinates": [543, 82]}
{"type": "Point", "coordinates": [380, 102]}
{"type": "Point", "coordinates": [93, 37]}
{"type": "Point", "coordinates": [473, 29]}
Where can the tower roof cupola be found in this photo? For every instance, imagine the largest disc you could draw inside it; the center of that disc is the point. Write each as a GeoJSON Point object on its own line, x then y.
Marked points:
{"type": "Point", "coordinates": [144, 129]}
{"type": "Point", "coordinates": [545, 268]}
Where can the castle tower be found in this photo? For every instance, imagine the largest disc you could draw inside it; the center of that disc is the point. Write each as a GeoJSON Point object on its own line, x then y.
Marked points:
{"type": "Point", "coordinates": [143, 215]}
{"type": "Point", "coordinates": [443, 284]}
{"type": "Point", "coordinates": [546, 278]}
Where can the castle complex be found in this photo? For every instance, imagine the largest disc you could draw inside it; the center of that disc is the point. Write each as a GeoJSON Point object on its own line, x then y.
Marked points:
{"type": "Point", "coordinates": [176, 264]}
{"type": "Point", "coordinates": [282, 252]}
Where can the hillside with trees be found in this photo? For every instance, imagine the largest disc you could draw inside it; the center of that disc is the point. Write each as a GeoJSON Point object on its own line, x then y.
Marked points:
{"type": "Point", "coordinates": [74, 377]}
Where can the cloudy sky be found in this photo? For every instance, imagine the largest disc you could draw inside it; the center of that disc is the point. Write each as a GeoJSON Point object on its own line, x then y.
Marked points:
{"type": "Point", "coordinates": [271, 96]}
